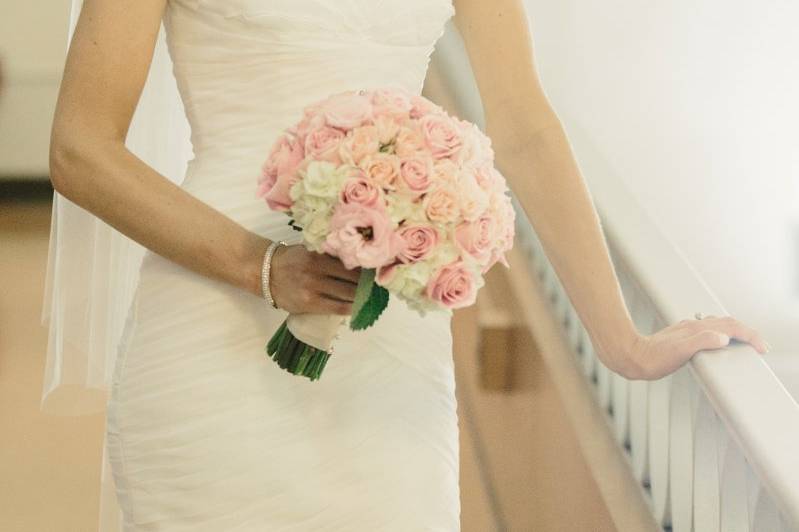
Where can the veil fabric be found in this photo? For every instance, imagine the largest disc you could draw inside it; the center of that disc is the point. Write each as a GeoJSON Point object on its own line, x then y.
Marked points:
{"type": "Point", "coordinates": [92, 269]}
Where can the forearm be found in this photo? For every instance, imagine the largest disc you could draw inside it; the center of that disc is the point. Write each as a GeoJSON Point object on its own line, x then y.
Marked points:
{"type": "Point", "coordinates": [105, 178]}
{"type": "Point", "coordinates": [545, 177]}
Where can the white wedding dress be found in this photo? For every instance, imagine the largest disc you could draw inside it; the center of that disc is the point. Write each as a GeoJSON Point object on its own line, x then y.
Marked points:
{"type": "Point", "coordinates": [204, 431]}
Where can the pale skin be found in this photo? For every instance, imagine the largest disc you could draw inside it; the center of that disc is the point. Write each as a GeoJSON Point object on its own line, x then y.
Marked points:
{"type": "Point", "coordinates": [106, 69]}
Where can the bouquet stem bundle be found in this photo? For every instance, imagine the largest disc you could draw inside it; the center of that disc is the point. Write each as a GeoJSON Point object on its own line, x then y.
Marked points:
{"type": "Point", "coordinates": [295, 356]}
{"type": "Point", "coordinates": [308, 357]}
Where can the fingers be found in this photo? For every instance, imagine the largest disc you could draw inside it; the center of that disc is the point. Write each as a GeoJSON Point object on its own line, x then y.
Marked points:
{"type": "Point", "coordinates": [730, 327]}
{"type": "Point", "coordinates": [736, 329]}
{"type": "Point", "coordinates": [334, 306]}
{"type": "Point", "coordinates": [702, 340]}
{"type": "Point", "coordinates": [332, 266]}
{"type": "Point", "coordinates": [335, 288]}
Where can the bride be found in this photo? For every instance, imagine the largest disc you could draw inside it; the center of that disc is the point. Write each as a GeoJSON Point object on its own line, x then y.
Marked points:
{"type": "Point", "coordinates": [204, 433]}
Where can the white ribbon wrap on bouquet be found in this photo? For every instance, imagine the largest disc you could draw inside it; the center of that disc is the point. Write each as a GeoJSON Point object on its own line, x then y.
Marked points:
{"type": "Point", "coordinates": [316, 330]}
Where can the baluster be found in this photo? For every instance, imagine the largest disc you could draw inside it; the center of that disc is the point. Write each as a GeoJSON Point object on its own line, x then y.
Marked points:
{"type": "Point", "coordinates": [767, 517]}
{"type": "Point", "coordinates": [658, 421]}
{"type": "Point", "coordinates": [734, 484]}
{"type": "Point", "coordinates": [706, 468]}
{"type": "Point", "coordinates": [604, 383]}
{"type": "Point", "coordinates": [682, 413]}
{"type": "Point", "coordinates": [620, 397]}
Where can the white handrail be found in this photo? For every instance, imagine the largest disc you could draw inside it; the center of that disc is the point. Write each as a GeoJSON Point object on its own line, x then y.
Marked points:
{"type": "Point", "coordinates": [716, 445]}
{"type": "Point", "coordinates": [757, 410]}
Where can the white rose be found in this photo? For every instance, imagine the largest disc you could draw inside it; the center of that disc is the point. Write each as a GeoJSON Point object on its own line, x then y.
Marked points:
{"type": "Point", "coordinates": [324, 179]}
{"type": "Point", "coordinates": [316, 232]}
{"type": "Point", "coordinates": [402, 207]}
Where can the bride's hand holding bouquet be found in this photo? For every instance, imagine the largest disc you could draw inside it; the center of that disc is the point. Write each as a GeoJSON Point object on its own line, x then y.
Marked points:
{"type": "Point", "coordinates": [392, 196]}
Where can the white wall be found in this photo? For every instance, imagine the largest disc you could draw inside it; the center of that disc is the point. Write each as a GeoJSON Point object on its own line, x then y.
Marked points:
{"type": "Point", "coordinates": [33, 36]}
{"type": "Point", "coordinates": [695, 105]}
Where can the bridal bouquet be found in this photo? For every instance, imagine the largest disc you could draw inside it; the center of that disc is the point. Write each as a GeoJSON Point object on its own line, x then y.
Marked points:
{"type": "Point", "coordinates": [387, 181]}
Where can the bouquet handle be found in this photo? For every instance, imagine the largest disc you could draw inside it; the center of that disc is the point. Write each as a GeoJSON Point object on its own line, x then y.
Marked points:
{"type": "Point", "coordinates": [303, 343]}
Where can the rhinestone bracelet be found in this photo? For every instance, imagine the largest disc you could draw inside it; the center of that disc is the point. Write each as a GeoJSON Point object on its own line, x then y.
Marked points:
{"type": "Point", "coordinates": [267, 265]}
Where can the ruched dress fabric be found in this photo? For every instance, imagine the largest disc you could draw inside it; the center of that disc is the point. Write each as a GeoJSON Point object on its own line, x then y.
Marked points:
{"type": "Point", "coordinates": [204, 431]}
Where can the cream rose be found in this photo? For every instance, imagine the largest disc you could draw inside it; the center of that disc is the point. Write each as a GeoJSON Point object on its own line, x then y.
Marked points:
{"type": "Point", "coordinates": [441, 204]}
{"type": "Point", "coordinates": [359, 143]}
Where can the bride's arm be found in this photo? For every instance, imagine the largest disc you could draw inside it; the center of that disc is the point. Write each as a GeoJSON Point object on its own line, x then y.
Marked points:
{"type": "Point", "coordinates": [105, 72]}
{"type": "Point", "coordinates": [536, 158]}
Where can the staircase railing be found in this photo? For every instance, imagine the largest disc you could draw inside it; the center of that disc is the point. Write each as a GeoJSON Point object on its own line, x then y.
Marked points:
{"type": "Point", "coordinates": [715, 446]}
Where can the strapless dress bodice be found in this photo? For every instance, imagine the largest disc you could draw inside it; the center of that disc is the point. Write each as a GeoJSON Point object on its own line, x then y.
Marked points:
{"type": "Point", "coordinates": [246, 69]}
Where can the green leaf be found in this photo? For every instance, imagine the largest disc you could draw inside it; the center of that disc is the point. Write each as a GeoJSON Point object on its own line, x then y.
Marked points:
{"type": "Point", "coordinates": [370, 301]}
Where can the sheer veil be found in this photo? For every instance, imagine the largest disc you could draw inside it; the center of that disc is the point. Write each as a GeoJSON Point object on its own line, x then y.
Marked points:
{"type": "Point", "coordinates": [92, 269]}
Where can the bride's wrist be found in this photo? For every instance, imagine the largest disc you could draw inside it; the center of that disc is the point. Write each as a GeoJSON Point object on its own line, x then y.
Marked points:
{"type": "Point", "coordinates": [250, 263]}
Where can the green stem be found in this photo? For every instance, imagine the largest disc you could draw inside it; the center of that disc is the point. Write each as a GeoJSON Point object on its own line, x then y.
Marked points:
{"type": "Point", "coordinates": [295, 356]}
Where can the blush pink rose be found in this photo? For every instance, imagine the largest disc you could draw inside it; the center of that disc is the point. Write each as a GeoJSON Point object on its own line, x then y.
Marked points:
{"type": "Point", "coordinates": [484, 176]}
{"type": "Point", "coordinates": [506, 232]}
{"type": "Point", "coordinates": [322, 144]}
{"type": "Point", "coordinates": [303, 127]}
{"type": "Point", "coordinates": [359, 143]}
{"type": "Point", "coordinates": [382, 168]}
{"type": "Point", "coordinates": [441, 135]}
{"type": "Point", "coordinates": [361, 190]}
{"type": "Point", "coordinates": [347, 110]}
{"type": "Point", "coordinates": [453, 286]}
{"type": "Point", "coordinates": [390, 101]}
{"type": "Point", "coordinates": [420, 240]}
{"type": "Point", "coordinates": [416, 172]}
{"type": "Point", "coordinates": [421, 106]}
{"type": "Point", "coordinates": [362, 236]}
{"type": "Point", "coordinates": [477, 238]}
{"type": "Point", "coordinates": [278, 197]}
{"type": "Point", "coordinates": [279, 172]}
{"type": "Point", "coordinates": [441, 204]}
{"type": "Point", "coordinates": [409, 142]}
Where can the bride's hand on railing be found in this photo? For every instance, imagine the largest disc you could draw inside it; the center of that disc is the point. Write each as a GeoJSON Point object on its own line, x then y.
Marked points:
{"type": "Point", "coordinates": [663, 352]}
{"type": "Point", "coordinates": [305, 281]}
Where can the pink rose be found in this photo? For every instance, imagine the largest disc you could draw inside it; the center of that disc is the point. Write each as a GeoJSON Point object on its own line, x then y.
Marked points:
{"type": "Point", "coordinates": [362, 236]}
{"type": "Point", "coordinates": [453, 286]}
{"type": "Point", "coordinates": [382, 168]}
{"type": "Point", "coordinates": [278, 197]}
{"type": "Point", "coordinates": [484, 176]}
{"type": "Point", "coordinates": [391, 101]}
{"type": "Point", "coordinates": [279, 172]}
{"type": "Point", "coordinates": [506, 232]}
{"type": "Point", "coordinates": [420, 240]}
{"type": "Point", "coordinates": [409, 142]}
{"type": "Point", "coordinates": [486, 147]}
{"type": "Point", "coordinates": [347, 110]}
{"type": "Point", "coordinates": [421, 106]}
{"type": "Point", "coordinates": [441, 204]}
{"type": "Point", "coordinates": [442, 135]}
{"type": "Point", "coordinates": [361, 190]}
{"type": "Point", "coordinates": [476, 238]}
{"type": "Point", "coordinates": [416, 172]}
{"type": "Point", "coordinates": [322, 144]}
{"type": "Point", "coordinates": [446, 170]}
{"type": "Point", "coordinates": [359, 143]}
{"type": "Point", "coordinates": [303, 127]}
